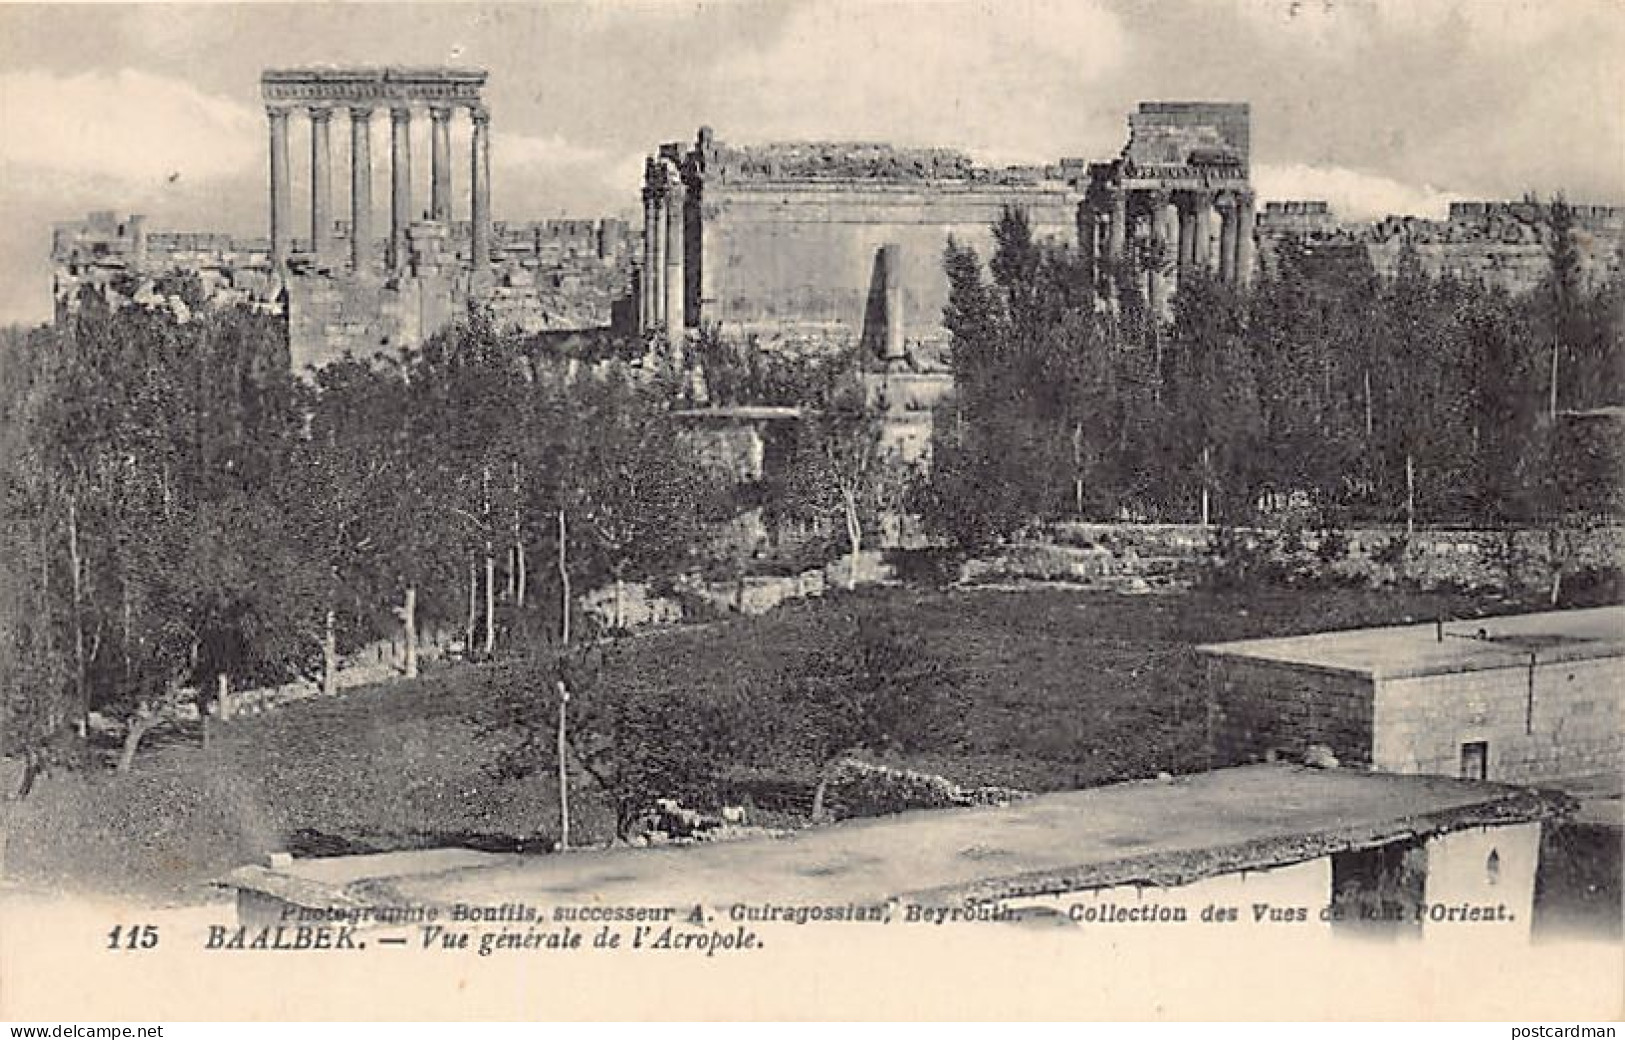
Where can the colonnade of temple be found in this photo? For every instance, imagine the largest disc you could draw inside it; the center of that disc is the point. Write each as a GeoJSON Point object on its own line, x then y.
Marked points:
{"type": "Point", "coordinates": [401, 206]}
{"type": "Point", "coordinates": [1172, 231]}
{"type": "Point", "coordinates": [662, 285]}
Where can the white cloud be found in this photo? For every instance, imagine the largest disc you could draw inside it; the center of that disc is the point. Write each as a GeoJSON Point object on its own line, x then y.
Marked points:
{"type": "Point", "coordinates": [1484, 27]}
{"type": "Point", "coordinates": [1353, 195]}
{"type": "Point", "coordinates": [127, 125]}
{"type": "Point", "coordinates": [996, 76]}
{"type": "Point", "coordinates": [534, 176]}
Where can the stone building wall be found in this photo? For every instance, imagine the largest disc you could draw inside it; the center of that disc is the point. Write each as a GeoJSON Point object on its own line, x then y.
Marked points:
{"type": "Point", "coordinates": [784, 241]}
{"type": "Point", "coordinates": [1557, 719]}
{"type": "Point", "coordinates": [1257, 707]}
{"type": "Point", "coordinates": [805, 252]}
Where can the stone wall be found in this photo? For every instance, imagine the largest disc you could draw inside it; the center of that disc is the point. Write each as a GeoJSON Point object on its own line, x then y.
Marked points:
{"type": "Point", "coordinates": [546, 276]}
{"type": "Point", "coordinates": [1558, 719]}
{"type": "Point", "coordinates": [1255, 708]}
{"type": "Point", "coordinates": [803, 252]}
{"type": "Point", "coordinates": [1185, 132]}
{"type": "Point", "coordinates": [1506, 244]}
{"type": "Point", "coordinates": [1517, 560]}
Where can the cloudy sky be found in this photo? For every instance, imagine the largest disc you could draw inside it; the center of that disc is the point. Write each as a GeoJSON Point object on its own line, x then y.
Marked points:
{"type": "Point", "coordinates": [1377, 105]}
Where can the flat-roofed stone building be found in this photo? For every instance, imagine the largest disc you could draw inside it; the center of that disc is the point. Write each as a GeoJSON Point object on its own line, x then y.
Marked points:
{"type": "Point", "coordinates": [1531, 697]}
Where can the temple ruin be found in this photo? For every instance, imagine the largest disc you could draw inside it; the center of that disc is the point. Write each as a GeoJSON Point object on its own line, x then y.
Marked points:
{"type": "Point", "coordinates": [794, 244]}
{"type": "Point", "coordinates": [321, 92]}
{"type": "Point", "coordinates": [339, 284]}
{"type": "Point", "coordinates": [1177, 200]}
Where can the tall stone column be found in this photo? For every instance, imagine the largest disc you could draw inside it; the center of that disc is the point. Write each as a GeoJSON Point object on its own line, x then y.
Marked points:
{"type": "Point", "coordinates": [360, 188]}
{"type": "Point", "coordinates": [1246, 221]}
{"type": "Point", "coordinates": [321, 184]}
{"type": "Point", "coordinates": [1118, 234]}
{"type": "Point", "coordinates": [480, 195]}
{"type": "Point", "coordinates": [400, 184]}
{"type": "Point", "coordinates": [649, 284]}
{"type": "Point", "coordinates": [676, 284]}
{"type": "Point", "coordinates": [1187, 234]}
{"type": "Point", "coordinates": [1202, 247]}
{"type": "Point", "coordinates": [281, 206]}
{"type": "Point", "coordinates": [1164, 243]}
{"type": "Point", "coordinates": [440, 163]}
{"type": "Point", "coordinates": [1227, 238]}
{"type": "Point", "coordinates": [656, 261]}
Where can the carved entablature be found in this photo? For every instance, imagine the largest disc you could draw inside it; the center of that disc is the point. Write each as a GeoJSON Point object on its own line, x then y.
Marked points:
{"type": "Point", "coordinates": [383, 86]}
{"type": "Point", "coordinates": [1217, 175]}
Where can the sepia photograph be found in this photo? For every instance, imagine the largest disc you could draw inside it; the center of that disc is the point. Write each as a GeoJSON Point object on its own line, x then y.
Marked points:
{"type": "Point", "coordinates": [912, 510]}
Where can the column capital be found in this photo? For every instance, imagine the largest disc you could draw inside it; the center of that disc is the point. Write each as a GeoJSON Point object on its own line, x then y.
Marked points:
{"type": "Point", "coordinates": [277, 112]}
{"type": "Point", "coordinates": [321, 113]}
{"type": "Point", "coordinates": [400, 114]}
{"type": "Point", "coordinates": [441, 113]}
{"type": "Point", "coordinates": [360, 113]}
{"type": "Point", "coordinates": [480, 114]}
{"type": "Point", "coordinates": [1225, 200]}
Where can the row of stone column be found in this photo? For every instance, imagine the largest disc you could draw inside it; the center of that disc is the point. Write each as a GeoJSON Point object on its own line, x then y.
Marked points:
{"type": "Point", "coordinates": [1181, 231]}
{"type": "Point", "coordinates": [662, 287]}
{"type": "Point", "coordinates": [321, 182]}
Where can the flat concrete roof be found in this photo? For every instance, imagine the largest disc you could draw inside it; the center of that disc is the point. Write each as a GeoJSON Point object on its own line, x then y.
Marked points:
{"type": "Point", "coordinates": [1146, 832]}
{"type": "Point", "coordinates": [1467, 645]}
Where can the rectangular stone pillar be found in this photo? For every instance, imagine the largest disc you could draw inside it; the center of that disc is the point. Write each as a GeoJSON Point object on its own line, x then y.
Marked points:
{"type": "Point", "coordinates": [480, 195]}
{"type": "Point", "coordinates": [321, 184]}
{"type": "Point", "coordinates": [360, 189]}
{"type": "Point", "coordinates": [892, 348]}
{"type": "Point", "coordinates": [281, 206]}
{"type": "Point", "coordinates": [675, 283]}
{"type": "Point", "coordinates": [440, 164]}
{"type": "Point", "coordinates": [400, 184]}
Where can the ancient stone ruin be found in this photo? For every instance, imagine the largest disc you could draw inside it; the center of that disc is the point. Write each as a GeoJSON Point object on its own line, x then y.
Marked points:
{"type": "Point", "coordinates": [342, 285]}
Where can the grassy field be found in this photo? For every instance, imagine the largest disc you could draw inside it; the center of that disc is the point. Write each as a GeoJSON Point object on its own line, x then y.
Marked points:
{"type": "Point", "coordinates": [1047, 689]}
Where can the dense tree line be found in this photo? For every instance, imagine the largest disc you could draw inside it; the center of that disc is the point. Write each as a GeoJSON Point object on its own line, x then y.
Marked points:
{"type": "Point", "coordinates": [183, 515]}
{"type": "Point", "coordinates": [1322, 390]}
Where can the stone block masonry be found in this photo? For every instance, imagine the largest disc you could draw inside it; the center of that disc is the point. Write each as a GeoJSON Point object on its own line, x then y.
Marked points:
{"type": "Point", "coordinates": [779, 238]}
{"type": "Point", "coordinates": [1256, 709]}
{"type": "Point", "coordinates": [1537, 721]}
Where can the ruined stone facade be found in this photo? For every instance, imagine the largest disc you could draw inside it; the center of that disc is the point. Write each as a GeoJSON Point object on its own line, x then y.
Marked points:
{"type": "Point", "coordinates": [1177, 200]}
{"type": "Point", "coordinates": [1505, 244]}
{"type": "Point", "coordinates": [342, 285]}
{"type": "Point", "coordinates": [786, 241]}
{"type": "Point", "coordinates": [805, 244]}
